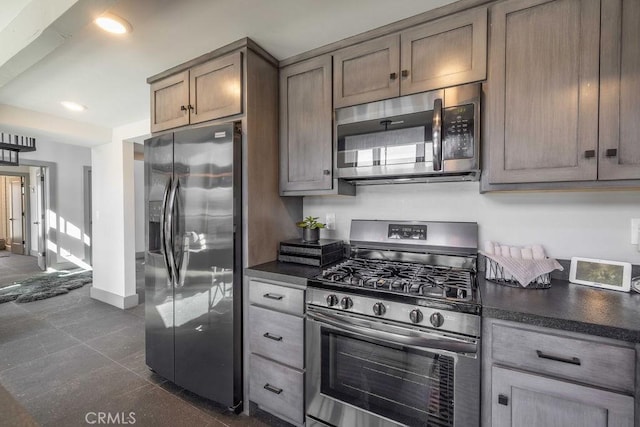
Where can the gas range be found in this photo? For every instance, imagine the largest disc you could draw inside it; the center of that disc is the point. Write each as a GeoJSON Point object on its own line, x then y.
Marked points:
{"type": "Point", "coordinates": [405, 303]}
{"type": "Point", "coordinates": [417, 273]}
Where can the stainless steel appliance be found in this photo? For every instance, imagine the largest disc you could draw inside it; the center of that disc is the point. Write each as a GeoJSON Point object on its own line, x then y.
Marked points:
{"type": "Point", "coordinates": [393, 333]}
{"type": "Point", "coordinates": [194, 260]}
{"type": "Point", "coordinates": [429, 136]}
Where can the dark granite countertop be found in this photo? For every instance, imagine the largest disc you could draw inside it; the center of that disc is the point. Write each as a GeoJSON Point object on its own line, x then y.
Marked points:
{"type": "Point", "coordinates": [296, 274]}
{"type": "Point", "coordinates": [567, 306]}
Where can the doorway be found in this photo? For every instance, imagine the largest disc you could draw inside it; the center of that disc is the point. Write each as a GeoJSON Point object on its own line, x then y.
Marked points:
{"type": "Point", "coordinates": [16, 213]}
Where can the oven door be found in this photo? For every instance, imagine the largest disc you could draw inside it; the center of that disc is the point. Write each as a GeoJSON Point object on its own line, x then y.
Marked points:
{"type": "Point", "coordinates": [361, 372]}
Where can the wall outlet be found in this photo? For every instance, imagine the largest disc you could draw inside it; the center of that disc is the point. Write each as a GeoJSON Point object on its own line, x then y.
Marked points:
{"type": "Point", "coordinates": [635, 230]}
{"type": "Point", "coordinates": [330, 221]}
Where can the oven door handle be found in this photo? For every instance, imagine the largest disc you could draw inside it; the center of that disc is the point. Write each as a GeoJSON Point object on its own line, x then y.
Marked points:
{"type": "Point", "coordinates": [441, 343]}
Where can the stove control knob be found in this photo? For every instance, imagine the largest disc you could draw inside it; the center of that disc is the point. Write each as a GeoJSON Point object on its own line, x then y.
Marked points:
{"type": "Point", "coordinates": [346, 303]}
{"type": "Point", "coordinates": [416, 316]}
{"type": "Point", "coordinates": [436, 320]}
{"type": "Point", "coordinates": [332, 300]}
{"type": "Point", "coordinates": [379, 309]}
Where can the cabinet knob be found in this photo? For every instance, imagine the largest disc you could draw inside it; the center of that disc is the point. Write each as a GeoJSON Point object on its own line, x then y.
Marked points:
{"type": "Point", "coordinates": [183, 108]}
{"type": "Point", "coordinates": [589, 154]}
{"type": "Point", "coordinates": [611, 152]}
{"type": "Point", "coordinates": [190, 107]}
{"type": "Point", "coordinates": [393, 76]}
{"type": "Point", "coordinates": [326, 172]}
{"type": "Point", "coordinates": [405, 73]}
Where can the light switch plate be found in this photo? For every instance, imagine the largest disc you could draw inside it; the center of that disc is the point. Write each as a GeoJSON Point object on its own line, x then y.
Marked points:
{"type": "Point", "coordinates": [635, 230]}
{"type": "Point", "coordinates": [330, 221]}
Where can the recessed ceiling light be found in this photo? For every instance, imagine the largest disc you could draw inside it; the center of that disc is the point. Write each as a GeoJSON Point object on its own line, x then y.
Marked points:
{"type": "Point", "coordinates": [113, 24]}
{"type": "Point", "coordinates": [73, 106]}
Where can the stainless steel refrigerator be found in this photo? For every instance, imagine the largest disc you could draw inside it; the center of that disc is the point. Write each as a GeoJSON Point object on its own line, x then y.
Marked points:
{"type": "Point", "coordinates": [193, 266]}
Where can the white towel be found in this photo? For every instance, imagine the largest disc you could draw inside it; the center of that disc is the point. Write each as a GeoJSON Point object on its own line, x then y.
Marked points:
{"type": "Point", "coordinates": [524, 270]}
{"type": "Point", "coordinates": [527, 253]}
{"type": "Point", "coordinates": [505, 251]}
{"type": "Point", "coordinates": [488, 247]}
{"type": "Point", "coordinates": [515, 252]}
{"type": "Point", "coordinates": [538, 252]}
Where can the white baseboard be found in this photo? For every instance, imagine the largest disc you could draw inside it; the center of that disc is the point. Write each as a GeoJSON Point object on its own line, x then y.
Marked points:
{"type": "Point", "coordinates": [114, 299]}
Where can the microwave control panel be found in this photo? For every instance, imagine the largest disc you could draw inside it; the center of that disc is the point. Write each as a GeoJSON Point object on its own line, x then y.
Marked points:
{"type": "Point", "coordinates": [457, 132]}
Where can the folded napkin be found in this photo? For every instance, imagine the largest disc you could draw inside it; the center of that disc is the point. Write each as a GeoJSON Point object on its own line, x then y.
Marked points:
{"type": "Point", "coordinates": [523, 265]}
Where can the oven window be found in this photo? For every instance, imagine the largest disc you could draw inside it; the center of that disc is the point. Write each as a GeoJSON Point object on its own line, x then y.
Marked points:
{"type": "Point", "coordinates": [408, 386]}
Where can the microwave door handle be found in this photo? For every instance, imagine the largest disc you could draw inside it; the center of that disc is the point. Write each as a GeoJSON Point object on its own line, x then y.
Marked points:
{"type": "Point", "coordinates": [440, 343]}
{"type": "Point", "coordinates": [436, 136]}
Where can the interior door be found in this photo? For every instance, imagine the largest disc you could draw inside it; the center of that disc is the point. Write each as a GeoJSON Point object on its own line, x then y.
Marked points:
{"type": "Point", "coordinates": [17, 215]}
{"type": "Point", "coordinates": [205, 203]}
{"type": "Point", "coordinates": [39, 219]}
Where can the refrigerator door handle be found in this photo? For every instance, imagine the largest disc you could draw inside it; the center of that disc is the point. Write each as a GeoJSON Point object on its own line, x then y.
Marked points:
{"type": "Point", "coordinates": [172, 232]}
{"type": "Point", "coordinates": [164, 229]}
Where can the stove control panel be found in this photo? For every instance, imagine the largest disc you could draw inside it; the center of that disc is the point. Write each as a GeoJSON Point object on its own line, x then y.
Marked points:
{"type": "Point", "coordinates": [406, 313]}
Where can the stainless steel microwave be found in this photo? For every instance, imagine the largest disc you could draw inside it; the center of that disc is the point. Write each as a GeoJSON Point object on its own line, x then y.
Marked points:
{"type": "Point", "coordinates": [429, 136]}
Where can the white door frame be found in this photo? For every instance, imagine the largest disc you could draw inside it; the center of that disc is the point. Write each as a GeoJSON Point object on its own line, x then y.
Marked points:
{"type": "Point", "coordinates": [27, 209]}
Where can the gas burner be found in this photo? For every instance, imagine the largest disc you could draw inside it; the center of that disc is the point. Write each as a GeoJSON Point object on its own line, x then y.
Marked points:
{"type": "Point", "coordinates": [415, 279]}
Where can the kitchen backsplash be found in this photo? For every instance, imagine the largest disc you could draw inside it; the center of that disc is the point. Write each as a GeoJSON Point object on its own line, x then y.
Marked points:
{"type": "Point", "coordinates": [595, 224]}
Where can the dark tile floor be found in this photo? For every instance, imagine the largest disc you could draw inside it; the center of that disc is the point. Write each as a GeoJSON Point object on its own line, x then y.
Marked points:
{"type": "Point", "coordinates": [67, 356]}
{"type": "Point", "coordinates": [15, 267]}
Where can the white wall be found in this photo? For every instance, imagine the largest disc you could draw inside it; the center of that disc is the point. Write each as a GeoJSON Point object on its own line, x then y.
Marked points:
{"type": "Point", "coordinates": [66, 220]}
{"type": "Point", "coordinates": [114, 217]}
{"type": "Point", "coordinates": [138, 169]}
{"type": "Point", "coordinates": [592, 224]}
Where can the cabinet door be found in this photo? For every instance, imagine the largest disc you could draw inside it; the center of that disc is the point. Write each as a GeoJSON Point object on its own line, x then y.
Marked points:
{"type": "Point", "coordinates": [367, 72]}
{"type": "Point", "coordinates": [522, 399]}
{"type": "Point", "coordinates": [306, 126]}
{"type": "Point", "coordinates": [542, 91]}
{"type": "Point", "coordinates": [169, 101]}
{"type": "Point", "coordinates": [619, 90]}
{"type": "Point", "coordinates": [446, 52]}
{"type": "Point", "coordinates": [216, 88]}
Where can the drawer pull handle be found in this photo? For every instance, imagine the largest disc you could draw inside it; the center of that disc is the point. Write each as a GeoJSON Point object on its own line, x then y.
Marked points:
{"type": "Point", "coordinates": [272, 337]}
{"type": "Point", "coordinates": [589, 154]}
{"type": "Point", "coordinates": [272, 389]}
{"type": "Point", "coordinates": [273, 296]}
{"type": "Point", "coordinates": [572, 361]}
{"type": "Point", "coordinates": [611, 152]}
{"type": "Point", "coordinates": [503, 400]}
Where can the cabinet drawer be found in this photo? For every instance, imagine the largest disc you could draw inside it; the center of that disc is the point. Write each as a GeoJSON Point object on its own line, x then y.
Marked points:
{"type": "Point", "coordinates": [277, 388]}
{"type": "Point", "coordinates": [278, 336]}
{"type": "Point", "coordinates": [586, 361]}
{"type": "Point", "coordinates": [281, 298]}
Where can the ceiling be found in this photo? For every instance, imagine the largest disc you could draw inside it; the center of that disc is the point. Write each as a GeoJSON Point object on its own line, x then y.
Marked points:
{"type": "Point", "coordinates": [108, 73]}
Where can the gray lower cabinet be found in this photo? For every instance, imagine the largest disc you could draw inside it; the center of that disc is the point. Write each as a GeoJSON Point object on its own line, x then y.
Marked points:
{"type": "Point", "coordinates": [275, 336]}
{"type": "Point", "coordinates": [535, 376]}
{"type": "Point", "coordinates": [524, 399]}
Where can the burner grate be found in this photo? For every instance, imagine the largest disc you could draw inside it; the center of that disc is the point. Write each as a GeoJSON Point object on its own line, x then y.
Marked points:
{"type": "Point", "coordinates": [402, 277]}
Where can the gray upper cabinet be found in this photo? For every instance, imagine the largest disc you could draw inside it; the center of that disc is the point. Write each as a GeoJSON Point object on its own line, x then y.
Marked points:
{"type": "Point", "coordinates": [619, 150]}
{"type": "Point", "coordinates": [444, 52]}
{"type": "Point", "coordinates": [367, 71]}
{"type": "Point", "coordinates": [216, 88]}
{"type": "Point", "coordinates": [169, 101]}
{"type": "Point", "coordinates": [205, 92]}
{"type": "Point", "coordinates": [306, 126]}
{"type": "Point", "coordinates": [542, 91]}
